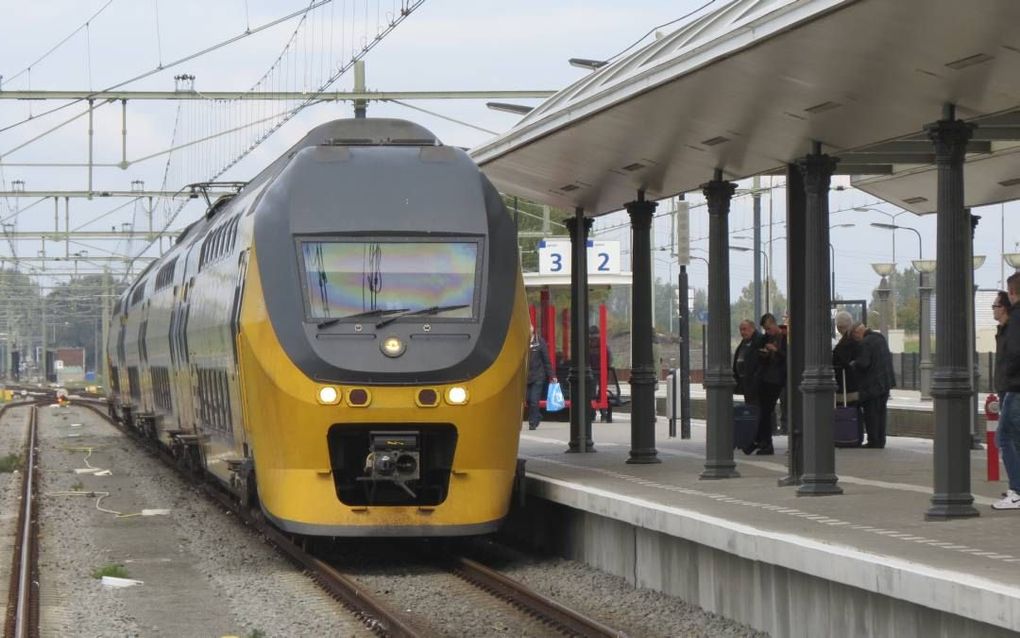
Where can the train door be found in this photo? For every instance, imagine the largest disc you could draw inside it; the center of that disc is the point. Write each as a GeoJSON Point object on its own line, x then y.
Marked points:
{"type": "Point", "coordinates": [181, 358]}
{"type": "Point", "coordinates": [237, 397]}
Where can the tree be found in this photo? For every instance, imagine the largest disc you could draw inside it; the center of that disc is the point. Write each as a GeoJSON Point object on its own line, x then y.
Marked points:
{"type": "Point", "coordinates": [744, 306]}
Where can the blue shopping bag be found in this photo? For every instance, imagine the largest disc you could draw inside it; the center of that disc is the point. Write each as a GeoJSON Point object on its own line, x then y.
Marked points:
{"type": "Point", "coordinates": [554, 398]}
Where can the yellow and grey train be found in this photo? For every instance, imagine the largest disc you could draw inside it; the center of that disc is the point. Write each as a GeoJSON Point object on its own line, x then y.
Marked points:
{"type": "Point", "coordinates": [341, 343]}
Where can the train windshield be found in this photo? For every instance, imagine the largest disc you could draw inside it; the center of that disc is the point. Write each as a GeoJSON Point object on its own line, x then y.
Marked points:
{"type": "Point", "coordinates": [376, 278]}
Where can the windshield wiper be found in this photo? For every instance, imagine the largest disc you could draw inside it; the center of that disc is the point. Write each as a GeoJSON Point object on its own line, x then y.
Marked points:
{"type": "Point", "coordinates": [368, 313]}
{"type": "Point", "coordinates": [432, 310]}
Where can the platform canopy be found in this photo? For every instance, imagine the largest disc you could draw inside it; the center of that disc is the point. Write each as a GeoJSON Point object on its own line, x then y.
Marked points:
{"type": "Point", "coordinates": [538, 280]}
{"type": "Point", "coordinates": [748, 86]}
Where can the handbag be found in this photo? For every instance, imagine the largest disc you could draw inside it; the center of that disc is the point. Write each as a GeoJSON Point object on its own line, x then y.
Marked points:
{"type": "Point", "coordinates": [554, 401]}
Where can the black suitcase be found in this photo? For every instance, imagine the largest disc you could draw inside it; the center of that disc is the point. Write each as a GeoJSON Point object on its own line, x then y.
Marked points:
{"type": "Point", "coordinates": [745, 424]}
{"type": "Point", "coordinates": [846, 423]}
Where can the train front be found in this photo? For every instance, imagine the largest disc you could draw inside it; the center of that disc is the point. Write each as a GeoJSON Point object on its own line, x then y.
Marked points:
{"type": "Point", "coordinates": [382, 339]}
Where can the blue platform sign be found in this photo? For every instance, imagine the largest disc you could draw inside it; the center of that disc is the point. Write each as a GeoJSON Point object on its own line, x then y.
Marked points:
{"type": "Point", "coordinates": [702, 316]}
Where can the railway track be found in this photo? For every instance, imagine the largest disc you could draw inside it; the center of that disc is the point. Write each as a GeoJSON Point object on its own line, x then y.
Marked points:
{"type": "Point", "coordinates": [378, 615]}
{"type": "Point", "coordinates": [22, 618]}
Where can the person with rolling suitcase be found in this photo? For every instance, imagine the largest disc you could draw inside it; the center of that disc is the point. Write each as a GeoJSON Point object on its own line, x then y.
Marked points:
{"type": "Point", "coordinates": [771, 379]}
{"type": "Point", "coordinates": [745, 373]}
{"type": "Point", "coordinates": [848, 430]}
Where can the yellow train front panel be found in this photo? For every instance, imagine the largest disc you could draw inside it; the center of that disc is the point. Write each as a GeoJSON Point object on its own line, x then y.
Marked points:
{"type": "Point", "coordinates": [289, 430]}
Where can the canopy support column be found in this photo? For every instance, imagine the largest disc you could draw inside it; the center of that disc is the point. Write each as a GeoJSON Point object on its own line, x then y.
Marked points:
{"type": "Point", "coordinates": [580, 374]}
{"type": "Point", "coordinates": [719, 381]}
{"type": "Point", "coordinates": [642, 376]}
{"type": "Point", "coordinates": [951, 379]}
{"type": "Point", "coordinates": [819, 382]}
{"type": "Point", "coordinates": [796, 213]}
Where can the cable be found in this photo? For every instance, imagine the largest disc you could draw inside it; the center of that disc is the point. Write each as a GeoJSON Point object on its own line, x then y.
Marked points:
{"type": "Point", "coordinates": [177, 62]}
{"type": "Point", "coordinates": [59, 44]}
{"type": "Point", "coordinates": [664, 24]}
{"type": "Point", "coordinates": [442, 117]}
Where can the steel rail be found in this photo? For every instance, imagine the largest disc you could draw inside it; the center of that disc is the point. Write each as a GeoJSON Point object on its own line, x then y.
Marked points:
{"type": "Point", "coordinates": [379, 617]}
{"type": "Point", "coordinates": [531, 601]}
{"type": "Point", "coordinates": [23, 600]}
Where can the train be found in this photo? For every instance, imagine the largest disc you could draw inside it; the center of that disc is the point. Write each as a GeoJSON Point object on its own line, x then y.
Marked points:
{"type": "Point", "coordinates": [342, 343]}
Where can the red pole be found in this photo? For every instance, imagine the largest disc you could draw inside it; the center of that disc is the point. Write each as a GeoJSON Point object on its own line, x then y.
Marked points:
{"type": "Point", "coordinates": [603, 360]}
{"type": "Point", "coordinates": [991, 423]}
{"type": "Point", "coordinates": [565, 321]}
{"type": "Point", "coordinates": [550, 337]}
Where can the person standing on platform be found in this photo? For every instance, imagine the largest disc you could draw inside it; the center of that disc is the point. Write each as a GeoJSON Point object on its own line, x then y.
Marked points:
{"type": "Point", "coordinates": [745, 361]}
{"type": "Point", "coordinates": [875, 378]}
{"type": "Point", "coordinates": [845, 351]}
{"type": "Point", "coordinates": [539, 371]}
{"type": "Point", "coordinates": [1007, 383]}
{"type": "Point", "coordinates": [771, 379]}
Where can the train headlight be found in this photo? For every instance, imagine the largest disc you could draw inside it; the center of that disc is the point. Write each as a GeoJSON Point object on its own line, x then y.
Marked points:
{"type": "Point", "coordinates": [392, 346]}
{"type": "Point", "coordinates": [328, 395]}
{"type": "Point", "coordinates": [457, 395]}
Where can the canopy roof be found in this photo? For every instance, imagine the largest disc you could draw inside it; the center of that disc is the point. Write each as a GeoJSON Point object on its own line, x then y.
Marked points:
{"type": "Point", "coordinates": [747, 87]}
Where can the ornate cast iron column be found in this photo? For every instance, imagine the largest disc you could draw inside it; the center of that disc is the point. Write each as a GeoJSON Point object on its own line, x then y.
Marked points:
{"type": "Point", "coordinates": [819, 383]}
{"type": "Point", "coordinates": [642, 376]}
{"type": "Point", "coordinates": [719, 382]}
{"type": "Point", "coordinates": [796, 213]}
{"type": "Point", "coordinates": [952, 376]}
{"type": "Point", "coordinates": [580, 377]}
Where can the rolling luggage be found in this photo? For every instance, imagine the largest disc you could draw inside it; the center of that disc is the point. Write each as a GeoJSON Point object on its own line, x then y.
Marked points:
{"type": "Point", "coordinates": [846, 423]}
{"type": "Point", "coordinates": [745, 424]}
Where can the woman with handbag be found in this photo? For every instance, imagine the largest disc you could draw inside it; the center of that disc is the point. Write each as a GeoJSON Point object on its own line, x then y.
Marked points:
{"type": "Point", "coordinates": [539, 371]}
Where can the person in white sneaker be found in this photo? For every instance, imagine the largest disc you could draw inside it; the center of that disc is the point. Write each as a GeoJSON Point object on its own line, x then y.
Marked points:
{"type": "Point", "coordinates": [1007, 382]}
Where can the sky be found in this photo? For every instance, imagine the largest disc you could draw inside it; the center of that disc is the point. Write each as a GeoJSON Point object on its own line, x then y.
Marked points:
{"type": "Point", "coordinates": [442, 45]}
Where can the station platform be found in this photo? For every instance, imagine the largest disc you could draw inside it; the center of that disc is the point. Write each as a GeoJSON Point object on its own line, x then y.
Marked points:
{"type": "Point", "coordinates": [864, 563]}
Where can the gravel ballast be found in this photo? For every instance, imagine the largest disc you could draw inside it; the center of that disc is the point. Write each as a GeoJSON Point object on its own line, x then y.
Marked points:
{"type": "Point", "coordinates": [203, 573]}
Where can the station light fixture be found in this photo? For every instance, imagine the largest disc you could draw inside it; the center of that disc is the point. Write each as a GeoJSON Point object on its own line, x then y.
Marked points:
{"type": "Point", "coordinates": [585, 63]}
{"type": "Point", "coordinates": [516, 109]}
{"type": "Point", "coordinates": [884, 269]}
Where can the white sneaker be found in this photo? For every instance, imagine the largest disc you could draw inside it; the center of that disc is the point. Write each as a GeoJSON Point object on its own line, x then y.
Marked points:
{"type": "Point", "coordinates": [1010, 502]}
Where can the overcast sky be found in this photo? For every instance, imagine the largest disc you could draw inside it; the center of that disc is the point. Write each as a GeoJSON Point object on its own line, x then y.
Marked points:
{"type": "Point", "coordinates": [444, 45]}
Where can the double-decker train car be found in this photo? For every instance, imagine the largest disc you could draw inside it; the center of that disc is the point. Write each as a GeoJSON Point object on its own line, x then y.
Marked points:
{"type": "Point", "coordinates": [341, 343]}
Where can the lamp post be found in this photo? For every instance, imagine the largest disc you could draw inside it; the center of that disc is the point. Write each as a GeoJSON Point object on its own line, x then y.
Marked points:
{"type": "Point", "coordinates": [924, 268]}
{"type": "Point", "coordinates": [768, 270]}
{"type": "Point", "coordinates": [883, 270]}
{"type": "Point", "coordinates": [892, 222]}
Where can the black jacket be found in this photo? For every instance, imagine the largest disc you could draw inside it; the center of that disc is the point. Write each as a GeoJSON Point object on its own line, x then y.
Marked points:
{"type": "Point", "coordinates": [845, 351]}
{"type": "Point", "coordinates": [874, 367]}
{"type": "Point", "coordinates": [1001, 387]}
{"type": "Point", "coordinates": [539, 368]}
{"type": "Point", "coordinates": [772, 365]}
{"type": "Point", "coordinates": [745, 364]}
{"type": "Point", "coordinates": [1010, 355]}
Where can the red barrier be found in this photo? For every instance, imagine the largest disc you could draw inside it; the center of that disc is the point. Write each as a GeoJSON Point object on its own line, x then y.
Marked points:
{"type": "Point", "coordinates": [991, 423]}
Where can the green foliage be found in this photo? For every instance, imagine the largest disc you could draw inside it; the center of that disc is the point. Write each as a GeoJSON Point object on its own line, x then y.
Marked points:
{"type": "Point", "coordinates": [256, 633]}
{"type": "Point", "coordinates": [10, 463]}
{"type": "Point", "coordinates": [534, 222]}
{"type": "Point", "coordinates": [904, 297]}
{"type": "Point", "coordinates": [744, 306]}
{"type": "Point", "coordinates": [117, 571]}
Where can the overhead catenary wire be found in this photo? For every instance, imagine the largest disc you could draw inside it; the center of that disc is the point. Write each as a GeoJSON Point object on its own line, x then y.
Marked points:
{"type": "Point", "coordinates": [62, 41]}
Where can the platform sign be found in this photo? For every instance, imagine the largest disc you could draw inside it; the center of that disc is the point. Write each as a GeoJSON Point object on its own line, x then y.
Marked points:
{"type": "Point", "coordinates": [554, 257]}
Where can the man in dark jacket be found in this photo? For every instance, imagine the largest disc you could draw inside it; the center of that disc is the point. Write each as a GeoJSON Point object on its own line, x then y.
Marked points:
{"type": "Point", "coordinates": [875, 378]}
{"type": "Point", "coordinates": [745, 361]}
{"type": "Point", "coordinates": [771, 377]}
{"type": "Point", "coordinates": [1007, 380]}
{"type": "Point", "coordinates": [539, 371]}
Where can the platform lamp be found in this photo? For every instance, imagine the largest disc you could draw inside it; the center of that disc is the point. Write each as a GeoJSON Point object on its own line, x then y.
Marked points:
{"type": "Point", "coordinates": [924, 268]}
{"type": "Point", "coordinates": [1013, 259]}
{"type": "Point", "coordinates": [884, 270]}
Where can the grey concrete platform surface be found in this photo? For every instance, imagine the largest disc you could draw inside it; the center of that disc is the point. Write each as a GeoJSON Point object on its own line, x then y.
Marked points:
{"type": "Point", "coordinates": [862, 563]}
